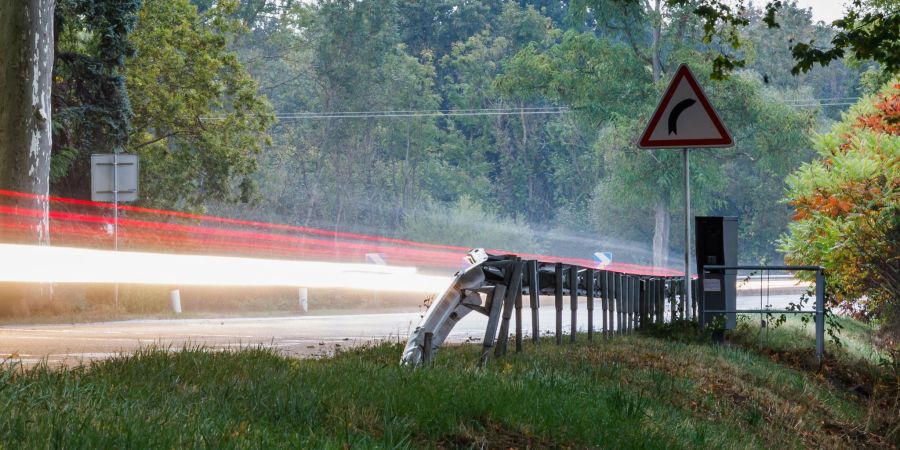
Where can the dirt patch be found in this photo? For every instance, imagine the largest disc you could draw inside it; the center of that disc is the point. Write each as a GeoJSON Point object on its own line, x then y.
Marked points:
{"type": "Point", "coordinates": [487, 433]}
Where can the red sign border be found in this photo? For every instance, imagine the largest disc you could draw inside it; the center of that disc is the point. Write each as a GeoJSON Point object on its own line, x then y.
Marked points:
{"type": "Point", "coordinates": [685, 72]}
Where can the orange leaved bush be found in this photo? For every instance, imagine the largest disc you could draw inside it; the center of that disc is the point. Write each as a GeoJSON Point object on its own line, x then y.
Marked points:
{"type": "Point", "coordinates": [847, 208]}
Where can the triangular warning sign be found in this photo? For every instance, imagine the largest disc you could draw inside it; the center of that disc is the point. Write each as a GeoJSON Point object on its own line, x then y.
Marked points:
{"type": "Point", "coordinates": [685, 118]}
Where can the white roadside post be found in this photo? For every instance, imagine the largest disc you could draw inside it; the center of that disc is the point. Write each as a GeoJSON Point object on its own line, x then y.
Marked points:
{"type": "Point", "coordinates": [303, 299]}
{"type": "Point", "coordinates": [691, 122]}
{"type": "Point", "coordinates": [175, 298]}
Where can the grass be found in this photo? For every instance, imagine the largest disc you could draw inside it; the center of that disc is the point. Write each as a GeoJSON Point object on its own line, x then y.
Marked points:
{"type": "Point", "coordinates": [635, 391]}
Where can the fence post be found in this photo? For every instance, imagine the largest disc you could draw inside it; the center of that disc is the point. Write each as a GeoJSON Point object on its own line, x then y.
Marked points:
{"type": "Point", "coordinates": [695, 299]}
{"type": "Point", "coordinates": [820, 313]}
{"type": "Point", "coordinates": [604, 301]}
{"type": "Point", "coordinates": [519, 312]}
{"type": "Point", "coordinates": [534, 292]}
{"type": "Point", "coordinates": [619, 297]}
{"type": "Point", "coordinates": [559, 302]}
{"type": "Point", "coordinates": [513, 291]}
{"type": "Point", "coordinates": [427, 349]}
{"type": "Point", "coordinates": [661, 300]}
{"type": "Point", "coordinates": [589, 288]}
{"type": "Point", "coordinates": [490, 333]}
{"type": "Point", "coordinates": [635, 296]}
{"type": "Point", "coordinates": [573, 300]}
{"type": "Point", "coordinates": [630, 310]}
{"type": "Point", "coordinates": [672, 306]}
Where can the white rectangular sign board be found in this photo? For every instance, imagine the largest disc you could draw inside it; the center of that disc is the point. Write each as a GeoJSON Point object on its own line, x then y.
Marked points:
{"type": "Point", "coordinates": [105, 182]}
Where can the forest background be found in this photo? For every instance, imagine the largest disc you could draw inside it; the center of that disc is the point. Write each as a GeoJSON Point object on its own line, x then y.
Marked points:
{"type": "Point", "coordinates": [494, 124]}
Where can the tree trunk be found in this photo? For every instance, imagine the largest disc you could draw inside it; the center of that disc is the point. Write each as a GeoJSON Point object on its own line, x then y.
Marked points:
{"type": "Point", "coordinates": [26, 52]}
{"type": "Point", "coordinates": [661, 209]}
{"type": "Point", "coordinates": [26, 67]}
{"type": "Point", "coordinates": [661, 233]}
{"type": "Point", "coordinates": [656, 33]}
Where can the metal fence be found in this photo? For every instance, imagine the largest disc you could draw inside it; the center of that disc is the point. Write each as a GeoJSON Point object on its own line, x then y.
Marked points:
{"type": "Point", "coordinates": [616, 303]}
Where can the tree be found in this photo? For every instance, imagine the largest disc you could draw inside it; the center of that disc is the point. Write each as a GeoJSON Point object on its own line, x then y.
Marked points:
{"type": "Point", "coordinates": [26, 45]}
{"type": "Point", "coordinates": [870, 29]}
{"type": "Point", "coordinates": [198, 120]}
{"type": "Point", "coordinates": [92, 113]}
{"type": "Point", "coordinates": [513, 152]}
{"type": "Point", "coordinates": [847, 206]}
{"type": "Point", "coordinates": [613, 80]}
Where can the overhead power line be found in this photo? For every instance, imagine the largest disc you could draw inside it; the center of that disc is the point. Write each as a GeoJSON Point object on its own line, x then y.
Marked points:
{"type": "Point", "coordinates": [302, 115]}
{"type": "Point", "coordinates": [412, 113]}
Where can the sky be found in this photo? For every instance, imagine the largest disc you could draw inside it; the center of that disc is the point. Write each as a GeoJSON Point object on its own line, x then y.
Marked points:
{"type": "Point", "coordinates": [824, 10]}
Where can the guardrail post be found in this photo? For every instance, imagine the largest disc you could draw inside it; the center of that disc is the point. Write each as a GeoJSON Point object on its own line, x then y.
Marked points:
{"type": "Point", "coordinates": [513, 291]}
{"type": "Point", "coordinates": [820, 314]}
{"type": "Point", "coordinates": [631, 303]}
{"type": "Point", "coordinates": [635, 301]}
{"type": "Point", "coordinates": [642, 304]}
{"type": "Point", "coordinates": [604, 301]}
{"type": "Point", "coordinates": [490, 333]}
{"type": "Point", "coordinates": [695, 300]}
{"type": "Point", "coordinates": [589, 288]}
{"type": "Point", "coordinates": [534, 292]}
{"type": "Point", "coordinates": [620, 318]}
{"type": "Point", "coordinates": [661, 300]}
{"type": "Point", "coordinates": [559, 302]}
{"type": "Point", "coordinates": [521, 266]}
{"type": "Point", "coordinates": [673, 314]}
{"type": "Point", "coordinates": [427, 349]}
{"type": "Point", "coordinates": [573, 300]}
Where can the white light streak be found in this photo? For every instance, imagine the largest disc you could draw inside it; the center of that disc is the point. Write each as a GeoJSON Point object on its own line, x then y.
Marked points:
{"type": "Point", "coordinates": [43, 264]}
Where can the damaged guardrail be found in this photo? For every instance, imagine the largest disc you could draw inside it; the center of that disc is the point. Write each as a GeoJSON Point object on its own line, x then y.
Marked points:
{"type": "Point", "coordinates": [494, 285]}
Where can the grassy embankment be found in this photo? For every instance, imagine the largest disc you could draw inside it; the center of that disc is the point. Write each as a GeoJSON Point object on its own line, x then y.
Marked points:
{"type": "Point", "coordinates": [633, 391]}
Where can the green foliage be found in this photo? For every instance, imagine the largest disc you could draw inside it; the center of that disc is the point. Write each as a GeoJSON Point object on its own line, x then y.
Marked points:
{"type": "Point", "coordinates": [91, 108]}
{"type": "Point", "coordinates": [848, 207]}
{"type": "Point", "coordinates": [587, 73]}
{"type": "Point", "coordinates": [198, 120]}
{"type": "Point", "coordinates": [870, 29]}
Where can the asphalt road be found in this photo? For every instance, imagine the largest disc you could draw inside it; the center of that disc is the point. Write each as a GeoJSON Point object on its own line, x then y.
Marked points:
{"type": "Point", "coordinates": [302, 336]}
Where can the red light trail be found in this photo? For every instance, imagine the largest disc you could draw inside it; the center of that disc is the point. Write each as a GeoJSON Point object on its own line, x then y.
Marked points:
{"type": "Point", "coordinates": [154, 230]}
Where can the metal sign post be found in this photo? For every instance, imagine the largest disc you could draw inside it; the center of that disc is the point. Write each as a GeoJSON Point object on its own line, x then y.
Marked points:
{"type": "Point", "coordinates": [110, 185]}
{"type": "Point", "coordinates": [685, 155]}
{"type": "Point", "coordinates": [690, 122]}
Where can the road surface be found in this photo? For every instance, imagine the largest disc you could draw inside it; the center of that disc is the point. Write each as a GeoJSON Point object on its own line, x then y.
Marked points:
{"type": "Point", "coordinates": [302, 336]}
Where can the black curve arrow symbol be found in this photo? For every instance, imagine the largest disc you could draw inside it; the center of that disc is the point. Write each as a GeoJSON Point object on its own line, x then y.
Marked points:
{"type": "Point", "coordinates": [676, 111]}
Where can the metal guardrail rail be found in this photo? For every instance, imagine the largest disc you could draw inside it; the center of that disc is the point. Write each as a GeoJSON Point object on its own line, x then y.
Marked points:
{"type": "Point", "coordinates": [495, 285]}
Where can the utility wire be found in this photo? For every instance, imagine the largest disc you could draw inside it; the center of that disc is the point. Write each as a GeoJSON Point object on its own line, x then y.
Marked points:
{"type": "Point", "coordinates": [300, 115]}
{"type": "Point", "coordinates": [412, 113]}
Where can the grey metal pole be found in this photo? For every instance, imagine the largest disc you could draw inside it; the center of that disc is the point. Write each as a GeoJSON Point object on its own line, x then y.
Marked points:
{"type": "Point", "coordinates": [115, 167]}
{"type": "Point", "coordinates": [687, 222]}
{"type": "Point", "coordinates": [534, 290]}
{"type": "Point", "coordinates": [820, 314]}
